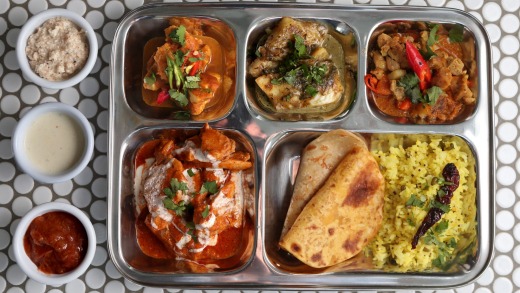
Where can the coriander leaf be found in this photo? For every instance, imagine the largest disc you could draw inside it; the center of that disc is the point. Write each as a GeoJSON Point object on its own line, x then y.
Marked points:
{"type": "Point", "coordinates": [179, 208]}
{"type": "Point", "coordinates": [290, 77]}
{"type": "Point", "coordinates": [168, 192]}
{"type": "Point", "coordinates": [182, 115]}
{"type": "Point", "coordinates": [299, 46]}
{"type": "Point", "coordinates": [276, 81]}
{"type": "Point", "coordinates": [430, 238]}
{"type": "Point", "coordinates": [179, 97]}
{"type": "Point", "coordinates": [190, 173]}
{"type": "Point", "coordinates": [194, 59]}
{"type": "Point", "coordinates": [408, 81]}
{"type": "Point", "coordinates": [415, 95]}
{"type": "Point", "coordinates": [192, 82]}
{"type": "Point", "coordinates": [178, 35]}
{"type": "Point", "coordinates": [258, 54]}
{"type": "Point", "coordinates": [414, 201]}
{"type": "Point", "coordinates": [410, 222]}
{"type": "Point", "coordinates": [150, 79]}
{"type": "Point", "coordinates": [209, 187]}
{"type": "Point", "coordinates": [433, 94]}
{"type": "Point", "coordinates": [444, 207]}
{"type": "Point", "coordinates": [190, 225]}
{"type": "Point", "coordinates": [205, 212]}
{"type": "Point", "coordinates": [310, 91]}
{"type": "Point", "coordinates": [433, 37]}
{"type": "Point", "coordinates": [441, 226]}
{"type": "Point", "coordinates": [456, 33]}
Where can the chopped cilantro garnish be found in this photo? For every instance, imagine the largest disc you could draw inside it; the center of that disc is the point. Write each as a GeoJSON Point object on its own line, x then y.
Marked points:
{"type": "Point", "coordinates": [205, 212]}
{"type": "Point", "coordinates": [435, 204]}
{"type": "Point", "coordinates": [410, 83]}
{"type": "Point", "coordinates": [150, 79]}
{"type": "Point", "coordinates": [178, 208]}
{"type": "Point", "coordinates": [192, 82]}
{"type": "Point", "coordinates": [179, 97]}
{"type": "Point", "coordinates": [432, 36]}
{"type": "Point", "coordinates": [410, 222]}
{"type": "Point", "coordinates": [310, 91]}
{"type": "Point", "coordinates": [209, 187]}
{"type": "Point", "coordinates": [414, 201]}
{"type": "Point", "coordinates": [191, 231]}
{"type": "Point", "coordinates": [178, 35]}
{"type": "Point", "coordinates": [175, 185]}
{"type": "Point", "coordinates": [182, 115]}
{"type": "Point", "coordinates": [456, 33]}
{"type": "Point", "coordinates": [441, 226]}
{"type": "Point", "coordinates": [432, 95]}
{"type": "Point", "coordinates": [190, 173]}
{"type": "Point", "coordinates": [299, 46]}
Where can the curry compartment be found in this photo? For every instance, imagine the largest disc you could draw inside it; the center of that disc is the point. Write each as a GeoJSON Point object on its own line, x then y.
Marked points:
{"type": "Point", "coordinates": [149, 61]}
{"type": "Point", "coordinates": [318, 82]}
{"type": "Point", "coordinates": [443, 58]}
{"type": "Point", "coordinates": [207, 232]}
{"type": "Point", "coordinates": [401, 218]}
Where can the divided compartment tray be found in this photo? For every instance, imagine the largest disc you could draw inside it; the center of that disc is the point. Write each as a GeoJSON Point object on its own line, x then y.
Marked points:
{"type": "Point", "coordinates": [131, 123]}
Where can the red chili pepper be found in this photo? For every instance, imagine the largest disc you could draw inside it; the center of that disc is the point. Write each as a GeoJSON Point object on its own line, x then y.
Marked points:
{"type": "Point", "coordinates": [419, 66]}
{"type": "Point", "coordinates": [404, 104]}
{"type": "Point", "coordinates": [162, 96]}
{"type": "Point", "coordinates": [194, 68]}
{"type": "Point", "coordinates": [371, 82]}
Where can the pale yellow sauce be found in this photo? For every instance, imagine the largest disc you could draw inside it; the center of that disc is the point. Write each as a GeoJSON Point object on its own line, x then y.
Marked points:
{"type": "Point", "coordinates": [54, 143]}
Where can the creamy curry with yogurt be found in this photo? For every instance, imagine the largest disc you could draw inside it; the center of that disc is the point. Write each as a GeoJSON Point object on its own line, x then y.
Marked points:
{"type": "Point", "coordinates": [190, 198]}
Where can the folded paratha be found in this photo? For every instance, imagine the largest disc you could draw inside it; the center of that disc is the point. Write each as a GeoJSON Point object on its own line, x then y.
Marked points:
{"type": "Point", "coordinates": [343, 215]}
{"type": "Point", "coordinates": [319, 158]}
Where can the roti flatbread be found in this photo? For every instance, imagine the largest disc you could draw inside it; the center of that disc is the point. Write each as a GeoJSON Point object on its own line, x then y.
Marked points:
{"type": "Point", "coordinates": [343, 215]}
{"type": "Point", "coordinates": [319, 158]}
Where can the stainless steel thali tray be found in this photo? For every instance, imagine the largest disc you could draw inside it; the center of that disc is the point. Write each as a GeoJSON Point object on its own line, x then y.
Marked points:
{"type": "Point", "coordinates": [277, 144]}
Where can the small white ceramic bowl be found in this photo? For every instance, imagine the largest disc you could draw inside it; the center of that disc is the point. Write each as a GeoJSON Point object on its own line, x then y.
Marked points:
{"type": "Point", "coordinates": [36, 21]}
{"type": "Point", "coordinates": [20, 137]}
{"type": "Point", "coordinates": [26, 264]}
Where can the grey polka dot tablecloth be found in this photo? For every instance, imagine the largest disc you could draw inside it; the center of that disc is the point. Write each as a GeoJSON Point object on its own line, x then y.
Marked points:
{"type": "Point", "coordinates": [88, 191]}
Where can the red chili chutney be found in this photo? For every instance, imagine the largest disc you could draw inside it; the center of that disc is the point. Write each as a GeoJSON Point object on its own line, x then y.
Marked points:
{"type": "Point", "coordinates": [56, 242]}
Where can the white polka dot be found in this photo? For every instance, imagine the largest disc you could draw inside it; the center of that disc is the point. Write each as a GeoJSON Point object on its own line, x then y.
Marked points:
{"type": "Point", "coordinates": [50, 91]}
{"type": "Point", "coordinates": [17, 16]}
{"type": "Point", "coordinates": [4, 6]}
{"type": "Point", "coordinates": [483, 290]}
{"type": "Point", "coordinates": [62, 188]}
{"type": "Point", "coordinates": [505, 220]}
{"type": "Point", "coordinates": [502, 285]}
{"type": "Point", "coordinates": [102, 142]}
{"type": "Point", "coordinates": [89, 86]}
{"type": "Point", "coordinates": [98, 210]}
{"type": "Point", "coordinates": [111, 270]}
{"type": "Point", "coordinates": [100, 257]}
{"type": "Point", "coordinates": [3, 24]}
{"type": "Point", "coordinates": [7, 125]}
{"type": "Point", "coordinates": [104, 98]}
{"type": "Point", "coordinates": [16, 290]}
{"type": "Point", "coordinates": [504, 242]}
{"type": "Point", "coordinates": [5, 239]}
{"type": "Point", "coordinates": [12, 37]}
{"type": "Point", "coordinates": [95, 18]}
{"type": "Point", "coordinates": [507, 110]}
{"type": "Point", "coordinates": [133, 4]}
{"type": "Point", "coordinates": [473, 4]}
{"type": "Point", "coordinates": [510, 5]}
{"type": "Point", "coordinates": [101, 232]}
{"type": "Point", "coordinates": [102, 120]}
{"type": "Point", "coordinates": [104, 76]}
{"type": "Point", "coordinates": [95, 278]}
{"type": "Point", "coordinates": [506, 175]}
{"type": "Point", "coordinates": [508, 66]}
{"type": "Point", "coordinates": [6, 193]}
{"type": "Point", "coordinates": [509, 45]}
{"type": "Point", "coordinates": [11, 82]}
{"type": "Point", "coordinates": [100, 165]}
{"type": "Point", "coordinates": [7, 171]}
{"type": "Point", "coordinates": [455, 4]}
{"type": "Point", "coordinates": [509, 23]}
{"type": "Point", "coordinates": [503, 265]}
{"type": "Point", "coordinates": [30, 94]}
{"type": "Point", "coordinates": [36, 6]}
{"type": "Point", "coordinates": [6, 149]}
{"type": "Point", "coordinates": [507, 132]}
{"type": "Point", "coordinates": [109, 30]}
{"type": "Point", "coordinates": [99, 187]}
{"type": "Point", "coordinates": [505, 196]}
{"type": "Point", "coordinates": [32, 286]}
{"type": "Point", "coordinates": [466, 289]}
{"type": "Point", "coordinates": [12, 230]}
{"type": "Point", "coordinates": [10, 104]}
{"type": "Point", "coordinates": [494, 32]}
{"type": "Point", "coordinates": [4, 262]}
{"type": "Point", "coordinates": [81, 197]}
{"type": "Point", "coordinates": [15, 275]}
{"type": "Point", "coordinates": [115, 287]}
{"type": "Point", "coordinates": [97, 66]}
{"type": "Point", "coordinates": [21, 205]}
{"type": "Point", "coordinates": [96, 3]}
{"type": "Point", "coordinates": [23, 183]}
{"type": "Point", "coordinates": [2, 50]}
{"type": "Point", "coordinates": [516, 254]}
{"type": "Point", "coordinates": [88, 107]}
{"type": "Point", "coordinates": [517, 213]}
{"type": "Point", "coordinates": [69, 96]}
{"type": "Point", "coordinates": [85, 177]}
{"type": "Point", "coordinates": [76, 286]}
{"type": "Point", "coordinates": [132, 286]}
{"type": "Point", "coordinates": [10, 61]}
{"type": "Point", "coordinates": [77, 6]}
{"type": "Point", "coordinates": [56, 291]}
{"type": "Point", "coordinates": [5, 217]}
{"type": "Point", "coordinates": [159, 290]}
{"type": "Point", "coordinates": [491, 12]}
{"type": "Point", "coordinates": [41, 195]}
{"type": "Point", "coordinates": [114, 10]}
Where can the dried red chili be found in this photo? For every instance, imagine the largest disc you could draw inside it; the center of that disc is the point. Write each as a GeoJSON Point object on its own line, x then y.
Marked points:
{"type": "Point", "coordinates": [451, 177]}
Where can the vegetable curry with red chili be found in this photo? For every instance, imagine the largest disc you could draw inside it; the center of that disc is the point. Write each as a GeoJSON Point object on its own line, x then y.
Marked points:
{"type": "Point", "coordinates": [422, 73]}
